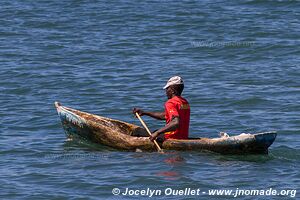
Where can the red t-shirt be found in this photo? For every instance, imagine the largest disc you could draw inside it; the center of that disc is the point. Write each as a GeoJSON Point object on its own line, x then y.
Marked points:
{"type": "Point", "coordinates": [178, 107]}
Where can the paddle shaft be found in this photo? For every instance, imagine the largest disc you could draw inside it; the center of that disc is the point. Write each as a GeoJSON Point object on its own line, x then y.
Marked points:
{"type": "Point", "coordinates": [147, 129]}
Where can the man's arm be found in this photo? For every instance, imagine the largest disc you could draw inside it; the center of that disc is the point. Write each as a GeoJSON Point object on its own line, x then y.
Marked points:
{"type": "Point", "coordinates": [172, 126]}
{"type": "Point", "coordinates": [156, 115]}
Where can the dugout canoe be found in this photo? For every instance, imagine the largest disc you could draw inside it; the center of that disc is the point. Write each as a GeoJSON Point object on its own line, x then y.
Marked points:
{"type": "Point", "coordinates": [126, 136]}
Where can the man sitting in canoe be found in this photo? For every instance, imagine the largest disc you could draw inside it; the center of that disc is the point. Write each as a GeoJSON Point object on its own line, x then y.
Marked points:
{"type": "Point", "coordinates": [176, 114]}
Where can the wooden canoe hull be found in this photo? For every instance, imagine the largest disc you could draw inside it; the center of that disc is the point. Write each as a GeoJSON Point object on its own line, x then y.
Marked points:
{"type": "Point", "coordinates": [125, 136]}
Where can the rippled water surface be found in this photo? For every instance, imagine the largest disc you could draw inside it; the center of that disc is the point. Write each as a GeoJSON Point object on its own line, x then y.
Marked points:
{"type": "Point", "coordinates": [240, 62]}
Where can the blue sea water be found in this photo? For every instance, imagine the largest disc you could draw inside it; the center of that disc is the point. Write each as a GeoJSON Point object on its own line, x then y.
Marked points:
{"type": "Point", "coordinates": [240, 63]}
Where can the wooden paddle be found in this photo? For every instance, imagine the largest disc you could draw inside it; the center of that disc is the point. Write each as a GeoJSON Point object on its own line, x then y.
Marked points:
{"type": "Point", "coordinates": [148, 131]}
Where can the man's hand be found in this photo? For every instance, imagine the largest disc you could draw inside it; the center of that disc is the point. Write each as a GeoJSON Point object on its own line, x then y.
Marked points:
{"type": "Point", "coordinates": [139, 111]}
{"type": "Point", "coordinates": [154, 136]}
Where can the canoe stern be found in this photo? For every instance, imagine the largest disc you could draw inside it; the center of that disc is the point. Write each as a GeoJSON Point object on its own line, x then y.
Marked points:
{"type": "Point", "coordinates": [73, 124]}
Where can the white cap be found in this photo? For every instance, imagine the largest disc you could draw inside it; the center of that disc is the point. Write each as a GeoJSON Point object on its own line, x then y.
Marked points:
{"type": "Point", "coordinates": [175, 80]}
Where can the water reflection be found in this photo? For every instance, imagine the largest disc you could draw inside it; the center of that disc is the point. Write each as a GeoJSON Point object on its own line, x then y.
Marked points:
{"type": "Point", "coordinates": [173, 161]}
